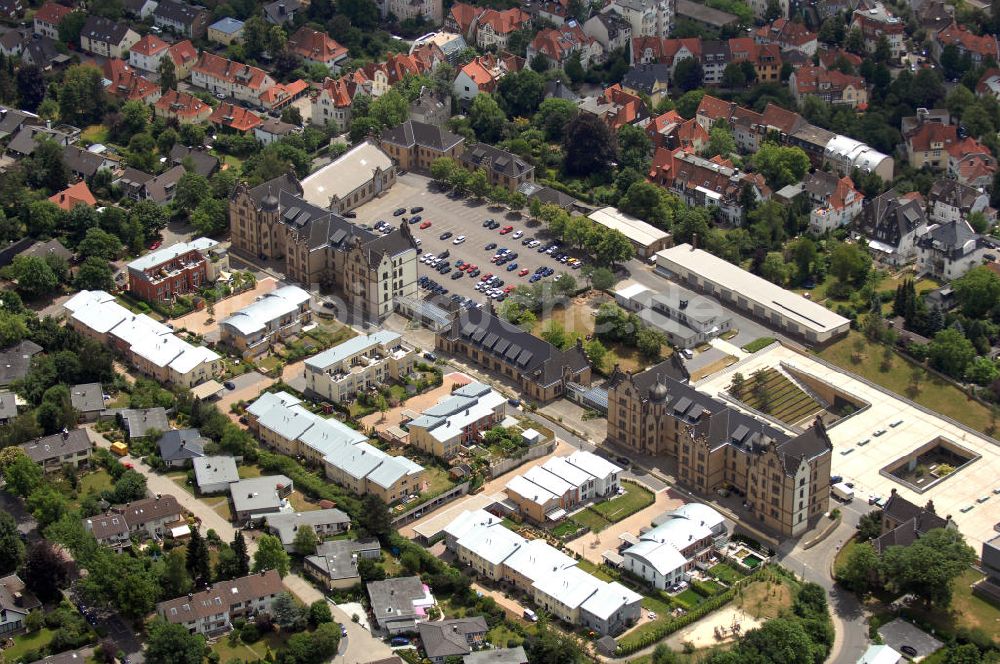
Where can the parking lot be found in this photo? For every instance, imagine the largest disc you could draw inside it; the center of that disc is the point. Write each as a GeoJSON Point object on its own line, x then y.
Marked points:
{"type": "Point", "coordinates": [461, 217]}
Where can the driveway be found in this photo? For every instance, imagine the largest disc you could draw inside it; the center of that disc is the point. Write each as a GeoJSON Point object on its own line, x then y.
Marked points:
{"type": "Point", "coordinates": [248, 388]}
{"type": "Point", "coordinates": [592, 545]}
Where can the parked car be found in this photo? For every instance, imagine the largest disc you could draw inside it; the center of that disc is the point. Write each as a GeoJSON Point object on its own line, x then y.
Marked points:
{"type": "Point", "coordinates": [491, 246]}
{"type": "Point", "coordinates": [414, 210]}
{"type": "Point", "coordinates": [523, 272]}
{"type": "Point", "coordinates": [398, 641]}
{"type": "Point", "coordinates": [230, 385]}
{"type": "Point", "coordinates": [398, 212]}
{"type": "Point", "coordinates": [445, 235]}
{"type": "Point", "coordinates": [506, 229]}
{"type": "Point", "coordinates": [459, 240]}
{"type": "Point", "coordinates": [425, 225]}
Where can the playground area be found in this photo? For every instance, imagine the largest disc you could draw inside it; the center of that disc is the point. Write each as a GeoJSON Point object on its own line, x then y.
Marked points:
{"type": "Point", "coordinates": [718, 627]}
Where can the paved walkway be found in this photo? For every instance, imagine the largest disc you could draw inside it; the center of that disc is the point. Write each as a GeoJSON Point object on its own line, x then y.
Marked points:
{"type": "Point", "coordinates": [592, 545]}
{"type": "Point", "coordinates": [728, 348]}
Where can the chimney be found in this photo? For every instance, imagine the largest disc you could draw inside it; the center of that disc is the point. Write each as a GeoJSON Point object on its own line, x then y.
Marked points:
{"type": "Point", "coordinates": [281, 9]}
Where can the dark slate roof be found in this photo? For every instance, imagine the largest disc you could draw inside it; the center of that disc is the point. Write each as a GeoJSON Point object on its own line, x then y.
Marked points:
{"type": "Point", "coordinates": [8, 405]}
{"type": "Point", "coordinates": [914, 521]}
{"type": "Point", "coordinates": [104, 30]}
{"type": "Point", "coordinates": [160, 188]}
{"type": "Point", "coordinates": [181, 444]}
{"type": "Point", "coordinates": [281, 11]}
{"type": "Point", "coordinates": [204, 163]}
{"type": "Point", "coordinates": [546, 194]}
{"type": "Point", "coordinates": [138, 422]}
{"type": "Point", "coordinates": [494, 159]}
{"type": "Point", "coordinates": [537, 358]}
{"type": "Point", "coordinates": [15, 596]}
{"type": "Point", "coordinates": [178, 12]}
{"type": "Point", "coordinates": [950, 238]}
{"type": "Point", "coordinates": [560, 90]}
{"type": "Point", "coordinates": [888, 218]}
{"type": "Point", "coordinates": [820, 184]}
{"type": "Point", "coordinates": [286, 183]}
{"type": "Point", "coordinates": [322, 227]}
{"type": "Point", "coordinates": [953, 193]}
{"type": "Point", "coordinates": [82, 162]}
{"type": "Point", "coordinates": [48, 248]}
{"type": "Point", "coordinates": [420, 133]}
{"type": "Point", "coordinates": [643, 77]}
{"type": "Point", "coordinates": [393, 244]}
{"type": "Point", "coordinates": [450, 638]}
{"type": "Point", "coordinates": [42, 51]}
{"type": "Point", "coordinates": [11, 119]}
{"type": "Point", "coordinates": [57, 445]}
{"type": "Point", "coordinates": [87, 398]}
{"type": "Point", "coordinates": [672, 367]}
{"type": "Point", "coordinates": [16, 360]}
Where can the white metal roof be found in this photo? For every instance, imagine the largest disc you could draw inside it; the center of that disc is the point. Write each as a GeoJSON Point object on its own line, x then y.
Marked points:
{"type": "Point", "coordinates": [559, 467]}
{"type": "Point", "coordinates": [701, 513]}
{"type": "Point", "coordinates": [548, 481]}
{"type": "Point", "coordinates": [570, 587]}
{"type": "Point", "coordinates": [138, 329]}
{"type": "Point", "coordinates": [289, 422]}
{"type": "Point", "coordinates": [272, 306]}
{"type": "Point", "coordinates": [191, 357]}
{"type": "Point", "coordinates": [531, 491]}
{"type": "Point", "coordinates": [350, 348]}
{"type": "Point", "coordinates": [269, 400]}
{"type": "Point", "coordinates": [679, 533]}
{"type": "Point", "coordinates": [634, 229]}
{"type": "Point", "coordinates": [344, 175]}
{"type": "Point", "coordinates": [608, 599]}
{"type": "Point", "coordinates": [154, 258]}
{"type": "Point", "coordinates": [760, 291]}
{"type": "Point", "coordinates": [468, 520]}
{"type": "Point", "coordinates": [97, 310]}
{"type": "Point", "coordinates": [358, 460]}
{"type": "Point", "coordinates": [159, 351]}
{"type": "Point", "coordinates": [493, 545]}
{"type": "Point", "coordinates": [630, 291]}
{"type": "Point", "coordinates": [663, 558]}
{"type": "Point", "coordinates": [589, 462]}
{"type": "Point", "coordinates": [537, 559]}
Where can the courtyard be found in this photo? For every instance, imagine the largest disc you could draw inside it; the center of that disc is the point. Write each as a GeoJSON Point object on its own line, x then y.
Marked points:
{"type": "Point", "coordinates": [878, 435]}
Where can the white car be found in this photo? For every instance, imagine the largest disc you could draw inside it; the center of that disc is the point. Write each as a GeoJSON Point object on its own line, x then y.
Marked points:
{"type": "Point", "coordinates": [534, 243]}
{"type": "Point", "coordinates": [517, 235]}
{"type": "Point", "coordinates": [459, 240]}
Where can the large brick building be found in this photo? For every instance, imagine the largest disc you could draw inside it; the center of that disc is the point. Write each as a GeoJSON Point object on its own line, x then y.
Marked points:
{"type": "Point", "coordinates": [785, 479]}
{"type": "Point", "coordinates": [174, 270]}
{"type": "Point", "coordinates": [273, 221]}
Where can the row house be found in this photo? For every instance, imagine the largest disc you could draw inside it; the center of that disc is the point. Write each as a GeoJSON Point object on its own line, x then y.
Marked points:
{"type": "Point", "coordinates": [788, 36]}
{"type": "Point", "coordinates": [47, 19]}
{"type": "Point", "coordinates": [126, 84]}
{"type": "Point", "coordinates": [273, 317]}
{"type": "Point", "coordinates": [354, 367]}
{"type": "Point", "coordinates": [610, 29]}
{"type": "Point", "coordinates": [280, 95]}
{"type": "Point", "coordinates": [214, 609]}
{"type": "Point", "coordinates": [980, 49]}
{"type": "Point", "coordinates": [672, 131]}
{"type": "Point", "coordinates": [457, 421]}
{"type": "Point", "coordinates": [833, 202]}
{"type": "Point", "coordinates": [185, 56]}
{"type": "Point", "coordinates": [706, 182]}
{"type": "Point", "coordinates": [714, 56]}
{"type": "Point", "coordinates": [149, 518]}
{"type": "Point", "coordinates": [107, 38]}
{"type": "Point", "coordinates": [175, 270]}
{"type": "Point", "coordinates": [483, 73]}
{"type": "Point", "coordinates": [876, 22]}
{"type": "Point", "coordinates": [615, 107]}
{"type": "Point", "coordinates": [232, 79]}
{"type": "Point", "coordinates": [556, 45]}
{"type": "Point", "coordinates": [648, 18]}
{"type": "Point", "coordinates": [317, 48]}
{"type": "Point", "coordinates": [832, 86]}
{"type": "Point", "coordinates": [181, 18]}
{"type": "Point", "coordinates": [182, 107]}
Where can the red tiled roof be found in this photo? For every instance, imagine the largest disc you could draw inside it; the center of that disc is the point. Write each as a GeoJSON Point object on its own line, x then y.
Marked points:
{"type": "Point", "coordinates": [339, 90]}
{"type": "Point", "coordinates": [183, 52]}
{"type": "Point", "coordinates": [126, 83]}
{"type": "Point", "coordinates": [314, 45]}
{"type": "Point", "coordinates": [930, 133]}
{"type": "Point", "coordinates": [181, 104]}
{"type": "Point", "coordinates": [506, 21]}
{"type": "Point", "coordinates": [838, 200]}
{"type": "Point", "coordinates": [811, 80]}
{"type": "Point", "coordinates": [829, 57]}
{"type": "Point", "coordinates": [213, 66]}
{"type": "Point", "coordinates": [982, 86]}
{"type": "Point", "coordinates": [965, 40]}
{"type": "Point", "coordinates": [479, 69]}
{"type": "Point", "coordinates": [784, 120]}
{"type": "Point", "coordinates": [558, 43]}
{"type": "Point", "coordinates": [52, 13]}
{"type": "Point", "coordinates": [715, 108]}
{"type": "Point", "coordinates": [77, 194]}
{"type": "Point", "coordinates": [664, 50]}
{"type": "Point", "coordinates": [280, 92]}
{"type": "Point", "coordinates": [428, 55]}
{"type": "Point", "coordinates": [463, 15]}
{"type": "Point", "coordinates": [234, 117]}
{"type": "Point", "coordinates": [785, 32]}
{"type": "Point", "coordinates": [149, 45]}
{"type": "Point", "coordinates": [967, 146]}
{"type": "Point", "coordinates": [691, 133]}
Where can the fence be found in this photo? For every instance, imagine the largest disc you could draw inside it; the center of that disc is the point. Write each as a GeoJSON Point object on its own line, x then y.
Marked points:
{"type": "Point", "coordinates": [418, 511]}
{"type": "Point", "coordinates": [498, 468]}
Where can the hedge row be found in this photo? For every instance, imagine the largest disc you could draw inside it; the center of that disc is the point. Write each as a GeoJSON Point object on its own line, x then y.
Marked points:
{"type": "Point", "coordinates": [627, 647]}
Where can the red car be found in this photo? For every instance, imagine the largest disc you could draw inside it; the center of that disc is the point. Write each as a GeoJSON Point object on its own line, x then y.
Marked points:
{"type": "Point", "coordinates": [523, 272]}
{"type": "Point", "coordinates": [155, 245]}
{"type": "Point", "coordinates": [508, 289]}
{"type": "Point", "coordinates": [424, 225]}
{"type": "Point", "coordinates": [506, 229]}
{"type": "Point", "coordinates": [487, 276]}
{"type": "Point", "coordinates": [471, 268]}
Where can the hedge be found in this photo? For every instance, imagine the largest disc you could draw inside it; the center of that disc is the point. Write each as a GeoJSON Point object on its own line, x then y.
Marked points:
{"type": "Point", "coordinates": [757, 344]}
{"type": "Point", "coordinates": [702, 588]}
{"type": "Point", "coordinates": [627, 646]}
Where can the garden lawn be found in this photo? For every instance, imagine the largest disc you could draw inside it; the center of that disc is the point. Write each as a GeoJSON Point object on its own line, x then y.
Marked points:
{"type": "Point", "coordinates": [502, 637]}
{"type": "Point", "coordinates": [932, 393]}
{"type": "Point", "coordinates": [566, 528]}
{"type": "Point", "coordinates": [248, 651]}
{"type": "Point", "coordinates": [180, 478]}
{"type": "Point", "coordinates": [96, 133]}
{"type": "Point", "coordinates": [662, 610]}
{"type": "Point", "coordinates": [437, 481]}
{"type": "Point", "coordinates": [27, 642]}
{"type": "Point", "coordinates": [725, 573]}
{"type": "Point", "coordinates": [591, 519]}
{"type": "Point", "coordinates": [966, 611]}
{"type": "Point", "coordinates": [595, 570]}
{"type": "Point", "coordinates": [635, 498]}
{"type": "Point", "coordinates": [757, 344]}
{"type": "Point", "coordinates": [689, 598]}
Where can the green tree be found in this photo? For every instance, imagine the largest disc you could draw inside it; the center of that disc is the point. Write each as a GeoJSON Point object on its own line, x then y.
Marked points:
{"type": "Point", "coordinates": [81, 95]}
{"type": "Point", "coordinates": [174, 577]}
{"type": "Point", "coordinates": [45, 571]}
{"type": "Point", "coordinates": [597, 353]}
{"type": "Point", "coordinates": [521, 93]}
{"type": "Point", "coordinates": [443, 168]}
{"type": "Point", "coordinates": [94, 274]}
{"type": "Point", "coordinates": [288, 613]}
{"type": "Point", "coordinates": [45, 168]}
{"type": "Point", "coordinates": [635, 148]}
{"type": "Point", "coordinates": [101, 244]}
{"type": "Point", "coordinates": [804, 254]}
{"type": "Point", "coordinates": [589, 145]}
{"type": "Point", "coordinates": [720, 142]}
{"type": "Point", "coordinates": [375, 519]}
{"type": "Point", "coordinates": [172, 644]}
{"type": "Point", "coordinates": [305, 541]}
{"type": "Point", "coordinates": [612, 248]}
{"type": "Point", "coordinates": [192, 189]}
{"type": "Point", "coordinates": [950, 352]}
{"type": "Point", "coordinates": [649, 342]}
{"type": "Point", "coordinates": [928, 567]}
{"type": "Point", "coordinates": [140, 153]}
{"type": "Point", "coordinates": [870, 526]}
{"type": "Point", "coordinates": [168, 74]}
{"type": "Point", "coordinates": [11, 546]}
{"type": "Point", "coordinates": [23, 476]}
{"type": "Point", "coordinates": [239, 547]}
{"type": "Point", "coordinates": [602, 278]}
{"type": "Point", "coordinates": [197, 561]}
{"type": "Point", "coordinates": [319, 613]}
{"type": "Point", "coordinates": [774, 268]}
{"type": "Point", "coordinates": [47, 505]}
{"type": "Point", "coordinates": [688, 74]}
{"type": "Point", "coordinates": [780, 640]}
{"type": "Point", "coordinates": [780, 165]}
{"type": "Point", "coordinates": [648, 202]}
{"type": "Point", "coordinates": [486, 118]}
{"type": "Point", "coordinates": [733, 76]}
{"type": "Point", "coordinates": [555, 334]}
{"type": "Point", "coordinates": [982, 371]}
{"type": "Point", "coordinates": [977, 291]}
{"type": "Point", "coordinates": [552, 117]}
{"type": "Point", "coordinates": [849, 263]}
{"type": "Point", "coordinates": [270, 554]}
